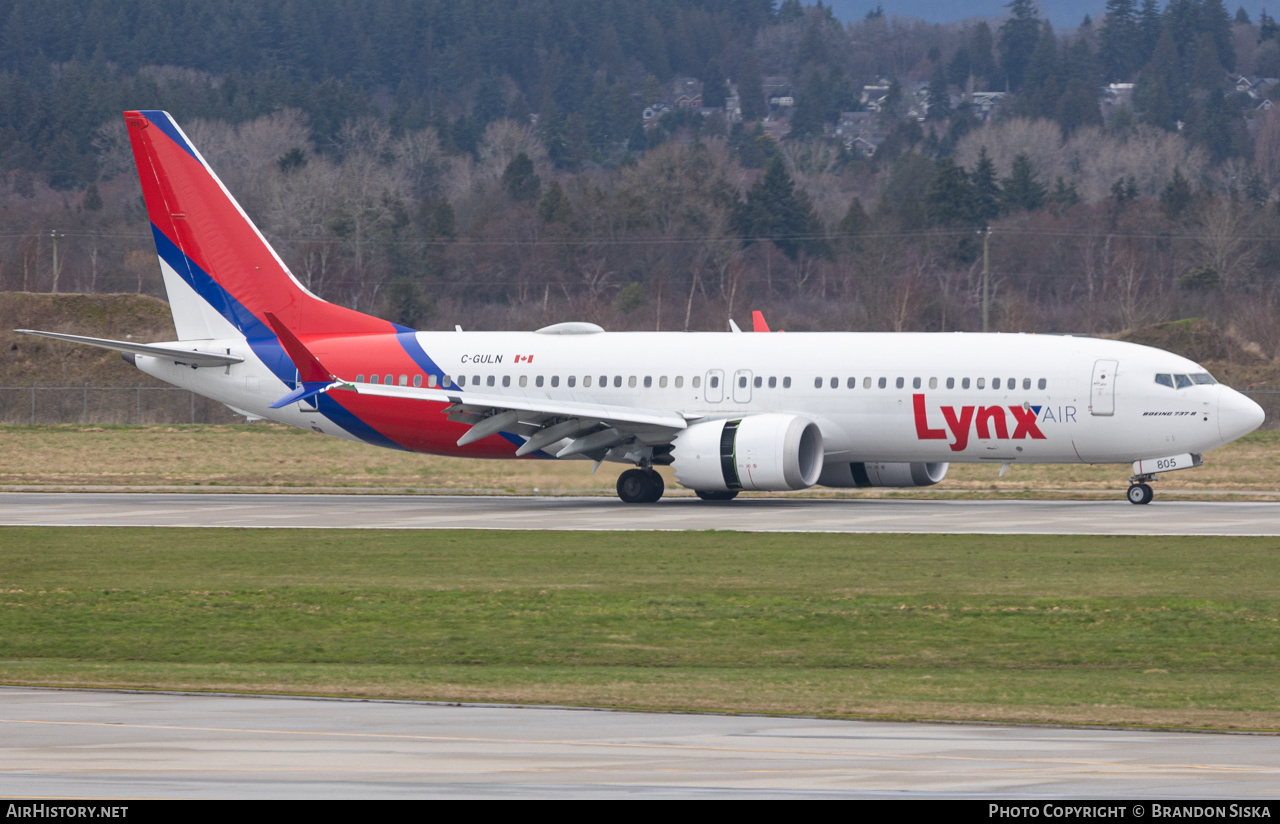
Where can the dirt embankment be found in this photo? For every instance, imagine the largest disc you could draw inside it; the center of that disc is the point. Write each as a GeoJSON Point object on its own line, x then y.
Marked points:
{"type": "Point", "coordinates": [27, 360]}
{"type": "Point", "coordinates": [1231, 360]}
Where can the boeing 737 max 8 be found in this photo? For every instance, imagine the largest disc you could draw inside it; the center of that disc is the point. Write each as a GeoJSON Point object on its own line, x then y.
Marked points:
{"type": "Point", "coordinates": [727, 411]}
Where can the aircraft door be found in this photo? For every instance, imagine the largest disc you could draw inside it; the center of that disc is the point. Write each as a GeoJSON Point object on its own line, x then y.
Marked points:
{"type": "Point", "coordinates": [1102, 392]}
{"type": "Point", "coordinates": [742, 386]}
{"type": "Point", "coordinates": [714, 389]}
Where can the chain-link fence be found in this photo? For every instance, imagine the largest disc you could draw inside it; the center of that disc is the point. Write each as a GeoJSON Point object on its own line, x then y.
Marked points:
{"type": "Point", "coordinates": [109, 404]}
{"type": "Point", "coordinates": [167, 404]}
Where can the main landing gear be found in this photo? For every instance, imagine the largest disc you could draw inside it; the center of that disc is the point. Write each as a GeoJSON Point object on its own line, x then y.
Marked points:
{"type": "Point", "coordinates": [709, 495]}
{"type": "Point", "coordinates": [640, 486]}
{"type": "Point", "coordinates": [1140, 491]}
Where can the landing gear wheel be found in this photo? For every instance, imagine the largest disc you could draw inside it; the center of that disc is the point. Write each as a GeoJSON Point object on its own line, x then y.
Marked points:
{"type": "Point", "coordinates": [640, 486]}
{"type": "Point", "coordinates": [708, 495]}
{"type": "Point", "coordinates": [1140, 493]}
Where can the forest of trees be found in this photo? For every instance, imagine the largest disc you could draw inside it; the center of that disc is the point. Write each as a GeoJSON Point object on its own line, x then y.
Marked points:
{"type": "Point", "coordinates": [487, 162]}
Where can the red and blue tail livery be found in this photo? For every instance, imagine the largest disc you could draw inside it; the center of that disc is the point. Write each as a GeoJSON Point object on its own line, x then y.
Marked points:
{"type": "Point", "coordinates": [727, 411]}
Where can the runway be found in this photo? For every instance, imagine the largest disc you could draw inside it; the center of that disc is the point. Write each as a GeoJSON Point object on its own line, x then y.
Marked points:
{"type": "Point", "coordinates": [56, 743]}
{"type": "Point", "coordinates": [745, 514]}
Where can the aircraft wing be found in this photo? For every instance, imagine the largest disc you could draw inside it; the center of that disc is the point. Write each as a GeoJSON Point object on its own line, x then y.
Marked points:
{"type": "Point", "coordinates": [187, 357]}
{"type": "Point", "coordinates": [590, 429]}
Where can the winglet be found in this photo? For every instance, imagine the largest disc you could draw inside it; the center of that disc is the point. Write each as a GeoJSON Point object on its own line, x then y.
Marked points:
{"type": "Point", "coordinates": [309, 369]}
{"type": "Point", "coordinates": [758, 323]}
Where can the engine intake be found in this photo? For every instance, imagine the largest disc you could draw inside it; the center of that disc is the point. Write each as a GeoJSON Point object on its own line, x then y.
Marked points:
{"type": "Point", "coordinates": [761, 452]}
{"type": "Point", "coordinates": [883, 474]}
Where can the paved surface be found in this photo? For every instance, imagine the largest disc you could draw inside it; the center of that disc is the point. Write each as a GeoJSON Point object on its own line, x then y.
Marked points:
{"type": "Point", "coordinates": [122, 745]}
{"type": "Point", "coordinates": [754, 515]}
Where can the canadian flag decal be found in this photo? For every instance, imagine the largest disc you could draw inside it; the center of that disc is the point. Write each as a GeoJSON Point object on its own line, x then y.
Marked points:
{"type": "Point", "coordinates": [524, 358]}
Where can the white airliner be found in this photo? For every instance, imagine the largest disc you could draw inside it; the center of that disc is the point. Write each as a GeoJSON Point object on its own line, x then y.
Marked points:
{"type": "Point", "coordinates": [728, 411]}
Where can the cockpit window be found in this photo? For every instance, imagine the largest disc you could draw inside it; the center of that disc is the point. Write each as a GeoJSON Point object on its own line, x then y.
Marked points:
{"type": "Point", "coordinates": [1181, 381]}
{"type": "Point", "coordinates": [1202, 379]}
{"type": "Point", "coordinates": [1165, 380]}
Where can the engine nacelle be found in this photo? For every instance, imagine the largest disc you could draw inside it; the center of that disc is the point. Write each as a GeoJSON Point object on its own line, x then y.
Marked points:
{"type": "Point", "coordinates": [844, 474]}
{"type": "Point", "coordinates": [763, 452]}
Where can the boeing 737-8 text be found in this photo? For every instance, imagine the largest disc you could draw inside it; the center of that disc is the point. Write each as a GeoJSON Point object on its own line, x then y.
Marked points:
{"type": "Point", "coordinates": [728, 411]}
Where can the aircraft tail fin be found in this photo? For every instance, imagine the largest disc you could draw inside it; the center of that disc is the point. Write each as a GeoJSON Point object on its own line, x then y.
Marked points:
{"type": "Point", "coordinates": [221, 275]}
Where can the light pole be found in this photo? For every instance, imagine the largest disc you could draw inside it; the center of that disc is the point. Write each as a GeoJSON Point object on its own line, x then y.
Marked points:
{"type": "Point", "coordinates": [55, 234]}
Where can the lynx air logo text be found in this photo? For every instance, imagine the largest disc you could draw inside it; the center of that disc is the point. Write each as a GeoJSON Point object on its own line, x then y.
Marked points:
{"type": "Point", "coordinates": [1000, 422]}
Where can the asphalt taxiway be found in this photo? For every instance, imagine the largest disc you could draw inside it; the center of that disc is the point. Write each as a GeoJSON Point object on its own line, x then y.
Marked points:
{"type": "Point", "coordinates": [64, 743]}
{"type": "Point", "coordinates": [745, 514]}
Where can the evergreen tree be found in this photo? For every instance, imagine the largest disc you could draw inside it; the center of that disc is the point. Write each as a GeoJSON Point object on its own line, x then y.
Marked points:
{"type": "Point", "coordinates": [1022, 192]}
{"type": "Point", "coordinates": [713, 85]}
{"type": "Point", "coordinates": [1267, 27]}
{"type": "Point", "coordinates": [939, 96]}
{"type": "Point", "coordinates": [1018, 37]}
{"type": "Point", "coordinates": [519, 181]}
{"type": "Point", "coordinates": [1041, 81]}
{"type": "Point", "coordinates": [774, 210]}
{"type": "Point", "coordinates": [1242, 17]}
{"type": "Point", "coordinates": [982, 60]}
{"type": "Point", "coordinates": [1176, 196]}
{"type": "Point", "coordinates": [959, 67]}
{"type": "Point", "coordinates": [1121, 46]}
{"type": "Point", "coordinates": [1150, 26]}
{"type": "Point", "coordinates": [950, 198]}
{"type": "Point", "coordinates": [751, 89]}
{"type": "Point", "coordinates": [1161, 96]}
{"type": "Point", "coordinates": [808, 114]}
{"type": "Point", "coordinates": [986, 191]}
{"type": "Point", "coordinates": [554, 206]}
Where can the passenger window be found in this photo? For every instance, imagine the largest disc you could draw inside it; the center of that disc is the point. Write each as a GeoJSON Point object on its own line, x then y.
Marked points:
{"type": "Point", "coordinates": [715, 381]}
{"type": "Point", "coordinates": [982, 383]}
{"type": "Point", "coordinates": [389, 380]}
{"type": "Point", "coordinates": [884, 382]}
{"type": "Point", "coordinates": [915, 383]}
{"type": "Point", "coordinates": [488, 381]}
{"type": "Point", "coordinates": [431, 381]}
{"type": "Point", "coordinates": [555, 381]}
{"type": "Point", "coordinates": [445, 380]}
{"type": "Point", "coordinates": [404, 380]}
{"type": "Point", "coordinates": [933, 383]}
{"type": "Point", "coordinates": [1182, 381]}
{"type": "Point", "coordinates": [964, 383]}
{"type": "Point", "coordinates": [899, 383]}
{"type": "Point", "coordinates": [817, 383]}
{"type": "Point", "coordinates": [1026, 383]}
{"type": "Point", "coordinates": [696, 382]}
{"type": "Point", "coordinates": [604, 381]}
{"type": "Point", "coordinates": [786, 383]}
{"type": "Point", "coordinates": [1165, 380]}
{"type": "Point", "coordinates": [536, 382]}
{"type": "Point", "coordinates": [759, 381]}
{"type": "Point", "coordinates": [374, 379]}
{"type": "Point", "coordinates": [833, 383]}
{"type": "Point", "coordinates": [648, 381]}
{"type": "Point", "coordinates": [417, 380]}
{"type": "Point", "coordinates": [866, 383]}
{"type": "Point", "coordinates": [662, 382]}
{"type": "Point", "coordinates": [995, 383]}
{"type": "Point", "coordinates": [679, 381]}
{"type": "Point", "coordinates": [851, 383]}
{"type": "Point", "coordinates": [524, 381]}
{"type": "Point", "coordinates": [359, 378]}
{"type": "Point", "coordinates": [773, 383]}
{"type": "Point", "coordinates": [586, 381]}
{"type": "Point", "coordinates": [631, 381]}
{"type": "Point", "coordinates": [572, 380]}
{"type": "Point", "coordinates": [1043, 383]}
{"type": "Point", "coordinates": [742, 382]}
{"type": "Point", "coordinates": [475, 380]}
{"type": "Point", "coordinates": [1013, 383]}
{"type": "Point", "coordinates": [951, 383]}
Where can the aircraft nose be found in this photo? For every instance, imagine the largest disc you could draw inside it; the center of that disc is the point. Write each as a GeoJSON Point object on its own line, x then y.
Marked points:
{"type": "Point", "coordinates": [1237, 415]}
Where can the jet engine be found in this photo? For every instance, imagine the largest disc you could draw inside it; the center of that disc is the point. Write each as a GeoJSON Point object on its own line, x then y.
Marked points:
{"type": "Point", "coordinates": [763, 452]}
{"type": "Point", "coordinates": [844, 474]}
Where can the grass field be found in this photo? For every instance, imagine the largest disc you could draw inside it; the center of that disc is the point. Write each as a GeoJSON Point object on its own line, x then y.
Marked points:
{"type": "Point", "coordinates": [1181, 632]}
{"type": "Point", "coordinates": [272, 456]}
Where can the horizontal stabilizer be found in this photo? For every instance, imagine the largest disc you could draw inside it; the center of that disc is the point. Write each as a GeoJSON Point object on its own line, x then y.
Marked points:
{"type": "Point", "coordinates": [187, 357]}
{"type": "Point", "coordinates": [307, 390]}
